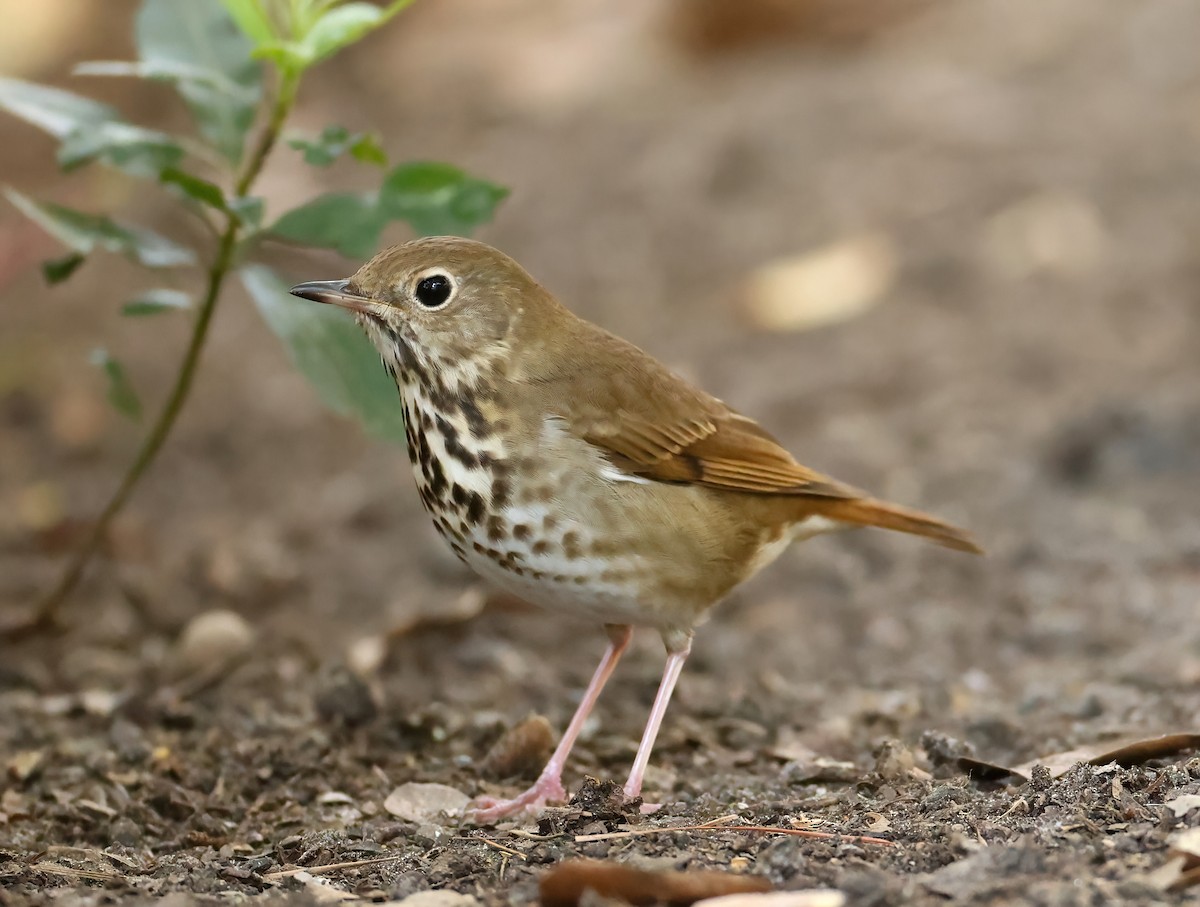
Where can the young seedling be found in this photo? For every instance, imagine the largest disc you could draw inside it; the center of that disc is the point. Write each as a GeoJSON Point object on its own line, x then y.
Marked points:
{"type": "Point", "coordinates": [238, 65]}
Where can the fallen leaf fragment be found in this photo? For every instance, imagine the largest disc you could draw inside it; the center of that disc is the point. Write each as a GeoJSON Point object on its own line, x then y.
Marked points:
{"type": "Point", "coordinates": [566, 884]}
{"type": "Point", "coordinates": [1126, 752]}
{"type": "Point", "coordinates": [964, 880]}
{"type": "Point", "coordinates": [466, 607]}
{"type": "Point", "coordinates": [25, 764]}
{"type": "Point", "coordinates": [1183, 805]}
{"type": "Point", "coordinates": [322, 891]}
{"type": "Point", "coordinates": [1182, 868]}
{"type": "Point", "coordinates": [823, 286]}
{"type": "Point", "coordinates": [1186, 844]}
{"type": "Point", "coordinates": [415, 802]}
{"type": "Point", "coordinates": [521, 750]}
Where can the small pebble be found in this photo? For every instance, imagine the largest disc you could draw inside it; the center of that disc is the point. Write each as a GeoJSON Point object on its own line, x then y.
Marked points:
{"type": "Point", "coordinates": [212, 639]}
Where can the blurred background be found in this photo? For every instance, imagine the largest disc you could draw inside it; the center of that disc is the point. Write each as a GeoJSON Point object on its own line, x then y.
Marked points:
{"type": "Point", "coordinates": [946, 251]}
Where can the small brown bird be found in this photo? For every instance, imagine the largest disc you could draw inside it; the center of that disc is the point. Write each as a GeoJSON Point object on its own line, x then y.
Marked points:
{"type": "Point", "coordinates": [576, 471]}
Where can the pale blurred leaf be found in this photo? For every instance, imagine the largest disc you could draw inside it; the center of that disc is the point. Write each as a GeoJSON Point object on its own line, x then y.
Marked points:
{"type": "Point", "coordinates": [200, 35]}
{"type": "Point", "coordinates": [345, 221]}
{"type": "Point", "coordinates": [139, 152]}
{"type": "Point", "coordinates": [120, 391]}
{"type": "Point", "coordinates": [332, 352]}
{"type": "Point", "coordinates": [82, 232]}
{"type": "Point", "coordinates": [155, 302]}
{"type": "Point", "coordinates": [56, 111]}
{"type": "Point", "coordinates": [436, 199]}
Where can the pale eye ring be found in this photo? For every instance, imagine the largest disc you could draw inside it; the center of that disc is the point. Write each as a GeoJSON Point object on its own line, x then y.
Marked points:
{"type": "Point", "coordinates": [433, 289]}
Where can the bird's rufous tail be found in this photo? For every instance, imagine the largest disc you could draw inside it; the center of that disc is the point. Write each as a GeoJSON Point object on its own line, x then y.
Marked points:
{"type": "Point", "coordinates": [870, 512]}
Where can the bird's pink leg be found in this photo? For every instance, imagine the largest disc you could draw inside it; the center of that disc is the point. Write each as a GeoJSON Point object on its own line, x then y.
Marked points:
{"type": "Point", "coordinates": [676, 655]}
{"type": "Point", "coordinates": [548, 786]}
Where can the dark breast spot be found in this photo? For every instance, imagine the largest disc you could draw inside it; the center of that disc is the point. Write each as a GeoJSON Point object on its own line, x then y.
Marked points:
{"type": "Point", "coordinates": [474, 417]}
{"type": "Point", "coordinates": [475, 509]}
{"type": "Point", "coordinates": [454, 447]}
{"type": "Point", "coordinates": [500, 492]}
{"type": "Point", "coordinates": [497, 528]}
{"type": "Point", "coordinates": [437, 479]}
{"type": "Point", "coordinates": [570, 544]}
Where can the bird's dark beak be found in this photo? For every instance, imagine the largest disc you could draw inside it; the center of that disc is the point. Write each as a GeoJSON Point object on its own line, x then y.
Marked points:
{"type": "Point", "coordinates": [334, 292]}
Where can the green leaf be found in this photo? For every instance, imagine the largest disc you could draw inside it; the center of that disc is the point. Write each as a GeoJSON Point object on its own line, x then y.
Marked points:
{"type": "Point", "coordinates": [367, 148]}
{"type": "Point", "coordinates": [331, 352]}
{"type": "Point", "coordinates": [155, 302]}
{"type": "Point", "coordinates": [344, 221]}
{"type": "Point", "coordinates": [345, 24]}
{"type": "Point", "coordinates": [200, 35]}
{"type": "Point", "coordinates": [437, 199]}
{"type": "Point", "coordinates": [82, 232]}
{"type": "Point", "coordinates": [120, 391]}
{"type": "Point", "coordinates": [249, 209]}
{"type": "Point", "coordinates": [56, 270]}
{"type": "Point", "coordinates": [334, 141]}
{"type": "Point", "coordinates": [172, 72]}
{"type": "Point", "coordinates": [57, 112]}
{"type": "Point", "coordinates": [139, 152]}
{"type": "Point", "coordinates": [251, 18]}
{"type": "Point", "coordinates": [337, 27]}
{"type": "Point", "coordinates": [194, 187]}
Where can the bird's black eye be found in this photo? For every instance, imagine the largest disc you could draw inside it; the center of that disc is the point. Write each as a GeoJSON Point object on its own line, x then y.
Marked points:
{"type": "Point", "coordinates": [434, 290]}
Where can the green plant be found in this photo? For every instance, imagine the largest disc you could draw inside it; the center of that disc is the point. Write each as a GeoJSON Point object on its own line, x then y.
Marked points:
{"type": "Point", "coordinates": [238, 65]}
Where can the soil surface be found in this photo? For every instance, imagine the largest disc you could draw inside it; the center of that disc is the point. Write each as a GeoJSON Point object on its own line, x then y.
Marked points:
{"type": "Point", "coordinates": [276, 642]}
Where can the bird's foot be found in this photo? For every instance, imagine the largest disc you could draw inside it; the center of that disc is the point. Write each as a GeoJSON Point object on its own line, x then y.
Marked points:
{"type": "Point", "coordinates": [486, 810]}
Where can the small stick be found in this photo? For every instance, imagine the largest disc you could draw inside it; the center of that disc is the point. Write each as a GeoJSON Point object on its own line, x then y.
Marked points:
{"type": "Point", "coordinates": [94, 875]}
{"type": "Point", "coordinates": [500, 847]}
{"type": "Point", "coordinates": [329, 867]}
{"type": "Point", "coordinates": [716, 825]}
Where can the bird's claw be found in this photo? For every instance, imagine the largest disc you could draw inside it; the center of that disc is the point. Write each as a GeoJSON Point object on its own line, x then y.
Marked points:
{"type": "Point", "coordinates": [487, 810]}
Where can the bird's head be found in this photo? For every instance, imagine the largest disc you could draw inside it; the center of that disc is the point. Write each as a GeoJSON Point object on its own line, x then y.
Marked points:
{"type": "Point", "coordinates": [444, 305]}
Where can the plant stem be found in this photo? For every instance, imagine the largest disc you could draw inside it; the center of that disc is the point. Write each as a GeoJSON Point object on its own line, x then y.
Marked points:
{"type": "Point", "coordinates": [46, 611]}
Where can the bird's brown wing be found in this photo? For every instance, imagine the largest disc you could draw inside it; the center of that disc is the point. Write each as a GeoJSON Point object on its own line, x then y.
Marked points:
{"type": "Point", "coordinates": [652, 424]}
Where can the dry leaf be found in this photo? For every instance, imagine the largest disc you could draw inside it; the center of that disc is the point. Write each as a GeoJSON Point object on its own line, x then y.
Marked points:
{"type": "Point", "coordinates": [24, 765]}
{"type": "Point", "coordinates": [1181, 806]}
{"type": "Point", "coordinates": [416, 802]}
{"type": "Point", "coordinates": [467, 606]}
{"type": "Point", "coordinates": [521, 751]}
{"type": "Point", "coordinates": [1186, 844]}
{"type": "Point", "coordinates": [713, 27]}
{"type": "Point", "coordinates": [322, 890]}
{"type": "Point", "coordinates": [876, 823]}
{"type": "Point", "coordinates": [1182, 868]}
{"type": "Point", "coordinates": [1126, 752]}
{"type": "Point", "coordinates": [821, 287]}
{"type": "Point", "coordinates": [566, 883]}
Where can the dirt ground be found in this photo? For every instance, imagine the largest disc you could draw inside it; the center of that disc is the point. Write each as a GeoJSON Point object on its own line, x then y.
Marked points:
{"type": "Point", "coordinates": [1031, 371]}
